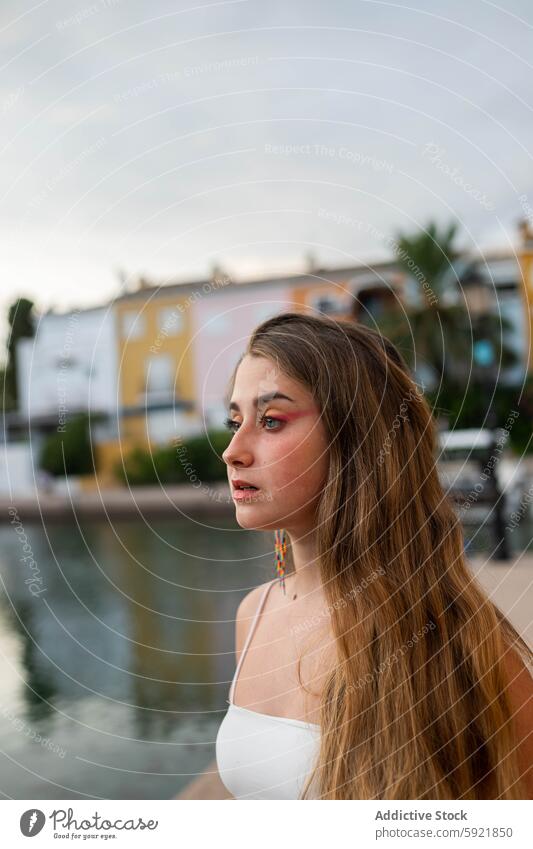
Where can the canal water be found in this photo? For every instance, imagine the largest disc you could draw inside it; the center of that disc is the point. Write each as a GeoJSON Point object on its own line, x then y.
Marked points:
{"type": "Point", "coordinates": [114, 677]}
{"type": "Point", "coordinates": [115, 668]}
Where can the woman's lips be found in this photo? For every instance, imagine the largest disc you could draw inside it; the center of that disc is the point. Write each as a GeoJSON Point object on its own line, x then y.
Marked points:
{"type": "Point", "coordinates": [245, 494]}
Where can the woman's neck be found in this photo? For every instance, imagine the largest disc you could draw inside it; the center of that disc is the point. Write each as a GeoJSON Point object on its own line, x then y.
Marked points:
{"type": "Point", "coordinates": [306, 579]}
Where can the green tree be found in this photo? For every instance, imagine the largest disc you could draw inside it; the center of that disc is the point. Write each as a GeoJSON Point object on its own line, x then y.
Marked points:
{"type": "Point", "coordinates": [439, 334]}
{"type": "Point", "coordinates": [68, 452]}
{"type": "Point", "coordinates": [21, 324]}
{"type": "Point", "coordinates": [430, 250]}
{"type": "Point", "coordinates": [6, 401]}
{"type": "Point", "coordinates": [197, 458]}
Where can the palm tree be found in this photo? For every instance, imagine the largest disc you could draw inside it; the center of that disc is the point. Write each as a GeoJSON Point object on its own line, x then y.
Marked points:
{"type": "Point", "coordinates": [438, 335]}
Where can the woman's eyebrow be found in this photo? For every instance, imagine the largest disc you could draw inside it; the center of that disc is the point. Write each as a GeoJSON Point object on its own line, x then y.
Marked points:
{"type": "Point", "coordinates": [263, 399]}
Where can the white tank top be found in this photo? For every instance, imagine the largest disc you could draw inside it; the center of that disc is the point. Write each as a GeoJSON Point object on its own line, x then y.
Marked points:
{"type": "Point", "coordinates": [260, 756]}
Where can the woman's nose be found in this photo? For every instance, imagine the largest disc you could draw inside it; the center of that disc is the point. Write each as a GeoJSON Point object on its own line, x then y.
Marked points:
{"type": "Point", "coordinates": [237, 453]}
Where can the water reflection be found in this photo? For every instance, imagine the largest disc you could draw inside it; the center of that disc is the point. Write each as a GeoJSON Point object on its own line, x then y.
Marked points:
{"type": "Point", "coordinates": [115, 677]}
{"type": "Point", "coordinates": [125, 658]}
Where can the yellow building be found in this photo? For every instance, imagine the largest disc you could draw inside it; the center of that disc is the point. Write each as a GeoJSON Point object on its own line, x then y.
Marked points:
{"type": "Point", "coordinates": [165, 371]}
{"type": "Point", "coordinates": [156, 399]}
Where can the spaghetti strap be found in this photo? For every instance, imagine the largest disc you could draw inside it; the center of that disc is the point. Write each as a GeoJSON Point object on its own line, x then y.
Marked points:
{"type": "Point", "coordinates": [248, 638]}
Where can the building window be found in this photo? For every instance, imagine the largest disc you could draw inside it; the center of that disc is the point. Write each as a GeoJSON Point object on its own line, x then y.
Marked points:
{"type": "Point", "coordinates": [217, 325]}
{"type": "Point", "coordinates": [159, 377]}
{"type": "Point", "coordinates": [133, 325]}
{"type": "Point", "coordinates": [170, 321]}
{"type": "Point", "coordinates": [373, 304]}
{"type": "Point", "coordinates": [329, 304]}
{"type": "Point", "coordinates": [66, 363]}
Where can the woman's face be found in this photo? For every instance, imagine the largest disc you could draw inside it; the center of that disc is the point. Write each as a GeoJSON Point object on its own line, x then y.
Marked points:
{"type": "Point", "coordinates": [279, 446]}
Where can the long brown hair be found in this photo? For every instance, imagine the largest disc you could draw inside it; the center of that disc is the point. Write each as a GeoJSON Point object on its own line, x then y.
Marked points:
{"type": "Point", "coordinates": [417, 706]}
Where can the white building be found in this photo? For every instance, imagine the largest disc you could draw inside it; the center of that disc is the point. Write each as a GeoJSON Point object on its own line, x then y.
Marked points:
{"type": "Point", "coordinates": [68, 367]}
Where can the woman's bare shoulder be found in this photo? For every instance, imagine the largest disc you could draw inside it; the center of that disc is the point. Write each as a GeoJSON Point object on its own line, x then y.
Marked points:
{"type": "Point", "coordinates": [245, 614]}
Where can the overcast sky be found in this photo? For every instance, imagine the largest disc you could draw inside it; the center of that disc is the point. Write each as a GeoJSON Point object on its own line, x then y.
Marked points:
{"type": "Point", "coordinates": [158, 138]}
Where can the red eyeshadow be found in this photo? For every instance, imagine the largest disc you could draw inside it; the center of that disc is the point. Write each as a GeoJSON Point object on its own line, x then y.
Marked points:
{"type": "Point", "coordinates": [289, 417]}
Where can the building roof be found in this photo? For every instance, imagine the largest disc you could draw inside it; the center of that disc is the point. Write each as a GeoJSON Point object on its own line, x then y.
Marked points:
{"type": "Point", "coordinates": [318, 275]}
{"type": "Point", "coordinates": [498, 268]}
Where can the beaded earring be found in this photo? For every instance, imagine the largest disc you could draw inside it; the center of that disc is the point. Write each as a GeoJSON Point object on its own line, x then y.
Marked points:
{"type": "Point", "coordinates": [280, 544]}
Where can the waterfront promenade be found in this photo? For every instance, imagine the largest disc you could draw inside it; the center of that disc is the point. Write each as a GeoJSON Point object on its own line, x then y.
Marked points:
{"type": "Point", "coordinates": [213, 499]}
{"type": "Point", "coordinates": [85, 497]}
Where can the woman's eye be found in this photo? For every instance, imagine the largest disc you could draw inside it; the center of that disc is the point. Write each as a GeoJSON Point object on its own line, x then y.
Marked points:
{"type": "Point", "coordinates": [233, 426]}
{"type": "Point", "coordinates": [270, 419]}
{"type": "Point", "coordinates": [230, 424]}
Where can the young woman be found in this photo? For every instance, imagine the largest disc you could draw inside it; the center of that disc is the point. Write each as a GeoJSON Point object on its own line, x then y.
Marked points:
{"type": "Point", "coordinates": [378, 668]}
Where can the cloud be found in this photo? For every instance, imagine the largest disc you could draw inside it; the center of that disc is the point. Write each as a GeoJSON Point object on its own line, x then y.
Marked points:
{"type": "Point", "coordinates": [137, 137]}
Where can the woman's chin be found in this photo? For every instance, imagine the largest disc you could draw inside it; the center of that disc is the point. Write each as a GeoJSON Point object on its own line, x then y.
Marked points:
{"type": "Point", "coordinates": [249, 523]}
{"type": "Point", "coordinates": [250, 519]}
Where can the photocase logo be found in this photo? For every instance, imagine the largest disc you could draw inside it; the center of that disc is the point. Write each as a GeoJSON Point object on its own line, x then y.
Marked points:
{"type": "Point", "coordinates": [31, 822]}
